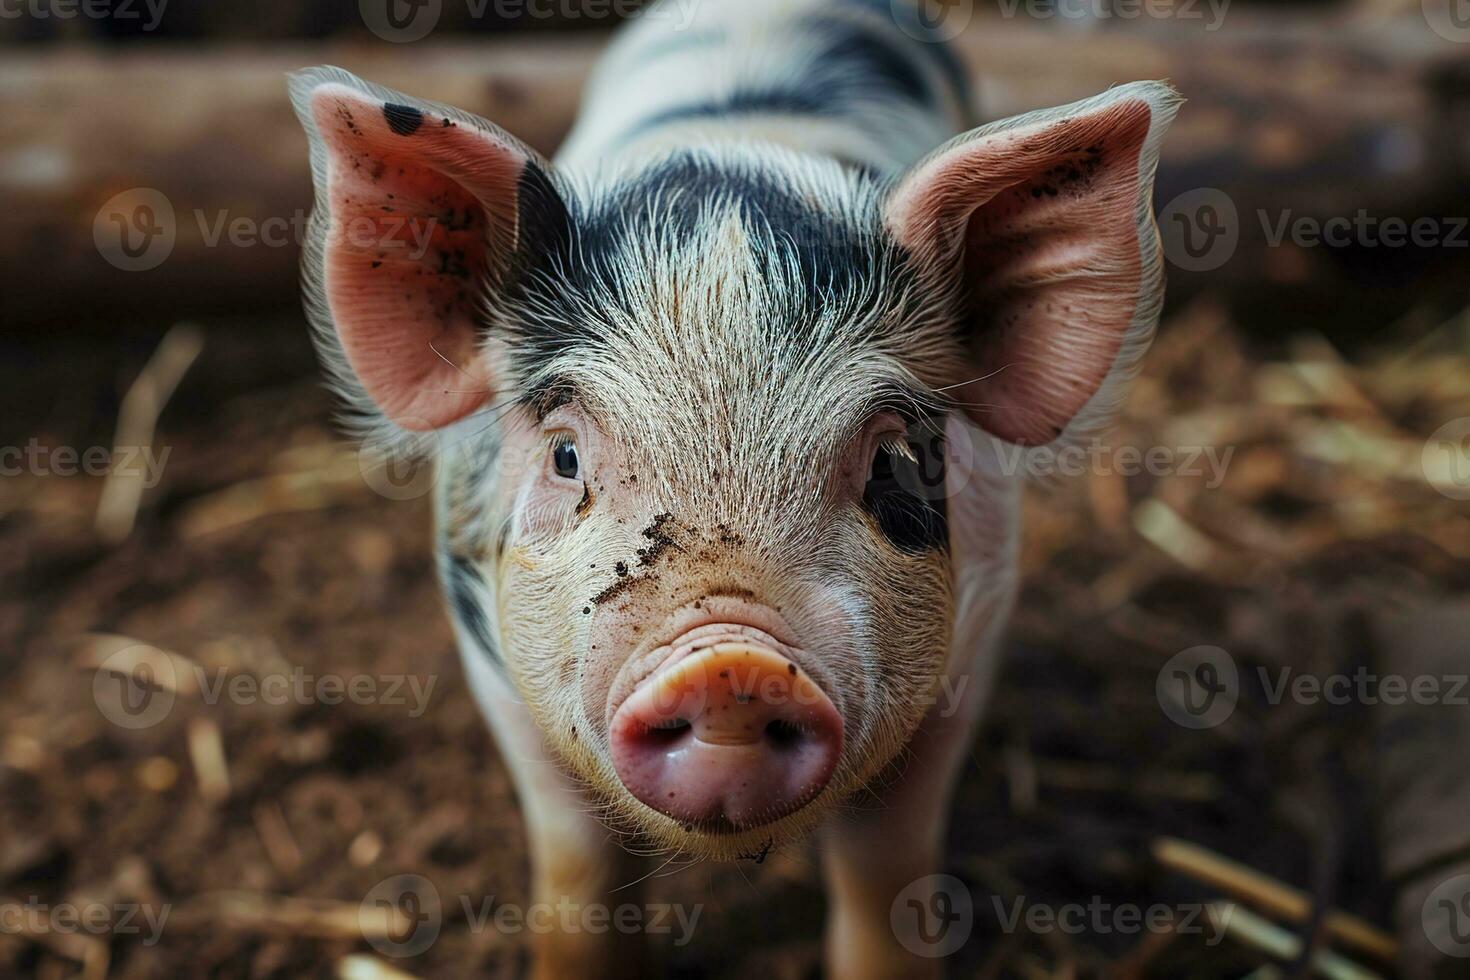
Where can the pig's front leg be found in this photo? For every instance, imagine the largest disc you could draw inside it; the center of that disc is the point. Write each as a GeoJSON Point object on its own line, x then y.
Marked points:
{"type": "Point", "coordinates": [873, 855]}
{"type": "Point", "coordinates": [575, 862]}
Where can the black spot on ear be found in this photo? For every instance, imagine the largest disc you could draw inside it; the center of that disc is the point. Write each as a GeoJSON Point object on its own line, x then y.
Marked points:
{"type": "Point", "coordinates": [404, 120]}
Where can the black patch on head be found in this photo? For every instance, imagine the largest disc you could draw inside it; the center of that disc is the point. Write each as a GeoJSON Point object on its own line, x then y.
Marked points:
{"type": "Point", "coordinates": [544, 222]}
{"type": "Point", "coordinates": [461, 578]}
{"type": "Point", "coordinates": [548, 257]}
{"type": "Point", "coordinates": [562, 257]}
{"type": "Point", "coordinates": [908, 499]}
{"type": "Point", "coordinates": [404, 120]}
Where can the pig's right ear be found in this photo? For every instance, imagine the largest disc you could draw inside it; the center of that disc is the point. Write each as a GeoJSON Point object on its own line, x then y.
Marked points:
{"type": "Point", "coordinates": [1044, 225]}
{"type": "Point", "coordinates": [417, 217]}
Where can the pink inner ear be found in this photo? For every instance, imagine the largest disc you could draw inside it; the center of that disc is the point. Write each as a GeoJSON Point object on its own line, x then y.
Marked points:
{"type": "Point", "coordinates": [417, 203]}
{"type": "Point", "coordinates": [1047, 216]}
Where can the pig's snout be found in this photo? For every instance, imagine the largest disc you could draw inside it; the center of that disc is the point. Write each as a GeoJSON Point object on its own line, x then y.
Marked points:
{"type": "Point", "coordinates": [732, 736]}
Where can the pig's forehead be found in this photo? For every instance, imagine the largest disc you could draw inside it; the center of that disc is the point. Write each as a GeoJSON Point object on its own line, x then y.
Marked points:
{"type": "Point", "coordinates": [764, 284]}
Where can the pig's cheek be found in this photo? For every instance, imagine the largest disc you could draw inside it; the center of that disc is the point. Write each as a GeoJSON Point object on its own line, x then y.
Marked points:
{"type": "Point", "coordinates": [543, 513]}
{"type": "Point", "coordinates": [545, 606]}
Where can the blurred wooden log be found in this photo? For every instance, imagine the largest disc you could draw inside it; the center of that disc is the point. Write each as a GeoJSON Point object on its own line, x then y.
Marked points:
{"type": "Point", "coordinates": [214, 133]}
{"type": "Point", "coordinates": [1278, 119]}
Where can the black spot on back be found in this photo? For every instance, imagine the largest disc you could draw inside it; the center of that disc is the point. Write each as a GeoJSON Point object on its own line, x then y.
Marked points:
{"type": "Point", "coordinates": [925, 35]}
{"type": "Point", "coordinates": [875, 61]}
{"type": "Point", "coordinates": [743, 102]}
{"type": "Point", "coordinates": [404, 120]}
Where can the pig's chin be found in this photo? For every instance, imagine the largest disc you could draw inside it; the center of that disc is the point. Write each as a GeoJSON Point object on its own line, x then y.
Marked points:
{"type": "Point", "coordinates": [721, 841]}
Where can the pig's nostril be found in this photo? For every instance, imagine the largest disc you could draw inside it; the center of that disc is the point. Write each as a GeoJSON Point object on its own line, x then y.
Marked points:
{"type": "Point", "coordinates": [668, 731]}
{"type": "Point", "coordinates": [783, 734]}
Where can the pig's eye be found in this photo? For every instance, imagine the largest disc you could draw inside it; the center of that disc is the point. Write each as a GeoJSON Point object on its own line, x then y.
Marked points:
{"type": "Point", "coordinates": [564, 459]}
{"type": "Point", "coordinates": [886, 458]}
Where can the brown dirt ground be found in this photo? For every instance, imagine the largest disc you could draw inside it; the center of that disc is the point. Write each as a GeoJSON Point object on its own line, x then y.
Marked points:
{"type": "Point", "coordinates": [264, 550]}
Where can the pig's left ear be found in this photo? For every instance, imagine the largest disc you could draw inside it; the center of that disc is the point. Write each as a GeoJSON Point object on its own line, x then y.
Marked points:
{"type": "Point", "coordinates": [1046, 221]}
{"type": "Point", "coordinates": [419, 210]}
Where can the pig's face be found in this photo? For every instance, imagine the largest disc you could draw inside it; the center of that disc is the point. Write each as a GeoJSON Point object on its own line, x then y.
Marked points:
{"type": "Point", "coordinates": [714, 478]}
{"type": "Point", "coordinates": [691, 502]}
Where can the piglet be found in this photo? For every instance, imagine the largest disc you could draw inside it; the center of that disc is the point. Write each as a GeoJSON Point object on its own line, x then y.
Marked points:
{"type": "Point", "coordinates": [721, 402]}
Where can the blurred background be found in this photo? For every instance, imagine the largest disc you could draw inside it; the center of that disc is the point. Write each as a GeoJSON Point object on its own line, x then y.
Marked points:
{"type": "Point", "coordinates": [1199, 703]}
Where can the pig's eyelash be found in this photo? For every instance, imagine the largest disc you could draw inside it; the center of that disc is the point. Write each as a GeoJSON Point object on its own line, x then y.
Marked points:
{"type": "Point", "coordinates": [897, 445]}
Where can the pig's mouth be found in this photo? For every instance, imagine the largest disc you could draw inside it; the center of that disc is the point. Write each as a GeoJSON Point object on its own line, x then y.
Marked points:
{"type": "Point", "coordinates": [724, 730]}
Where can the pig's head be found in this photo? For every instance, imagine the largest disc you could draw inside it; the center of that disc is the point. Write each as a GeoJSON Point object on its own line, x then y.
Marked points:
{"type": "Point", "coordinates": [685, 415]}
